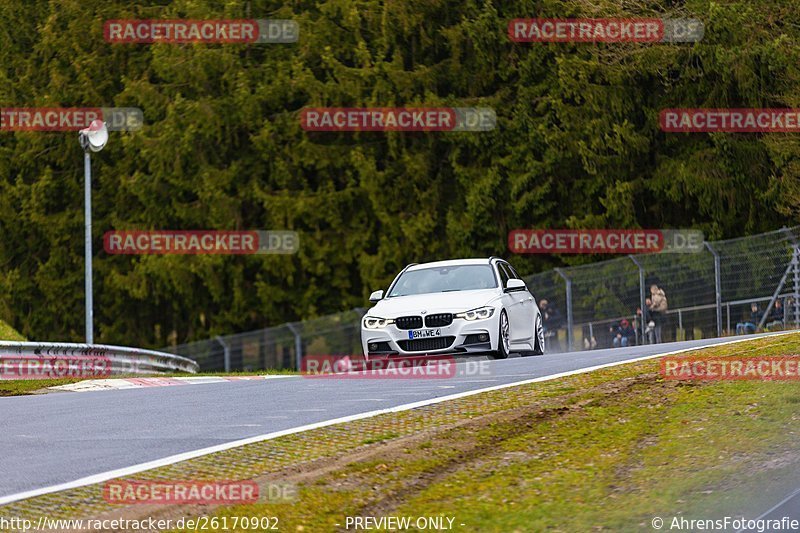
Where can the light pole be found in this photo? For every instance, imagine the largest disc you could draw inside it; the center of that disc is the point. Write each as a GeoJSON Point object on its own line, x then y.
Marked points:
{"type": "Point", "coordinates": [92, 139]}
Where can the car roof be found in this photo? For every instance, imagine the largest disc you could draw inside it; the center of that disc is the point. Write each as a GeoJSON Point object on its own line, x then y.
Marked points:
{"type": "Point", "coordinates": [451, 262]}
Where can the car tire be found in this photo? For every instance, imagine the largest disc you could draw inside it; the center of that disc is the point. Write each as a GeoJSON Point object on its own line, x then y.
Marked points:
{"type": "Point", "coordinates": [538, 336]}
{"type": "Point", "coordinates": [538, 332]}
{"type": "Point", "coordinates": [503, 337]}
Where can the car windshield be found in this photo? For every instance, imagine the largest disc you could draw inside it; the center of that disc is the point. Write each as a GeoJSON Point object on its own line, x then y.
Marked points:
{"type": "Point", "coordinates": [444, 279]}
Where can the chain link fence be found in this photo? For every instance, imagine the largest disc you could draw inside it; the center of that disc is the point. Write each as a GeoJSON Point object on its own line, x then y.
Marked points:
{"type": "Point", "coordinates": [734, 286]}
{"type": "Point", "coordinates": [752, 282]}
{"type": "Point", "coordinates": [280, 347]}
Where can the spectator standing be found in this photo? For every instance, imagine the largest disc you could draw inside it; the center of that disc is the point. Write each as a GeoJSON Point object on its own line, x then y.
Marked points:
{"type": "Point", "coordinates": [658, 309]}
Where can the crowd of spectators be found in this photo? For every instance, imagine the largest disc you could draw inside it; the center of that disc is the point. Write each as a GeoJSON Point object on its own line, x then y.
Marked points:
{"type": "Point", "coordinates": [653, 317]}
{"type": "Point", "coordinates": [774, 319]}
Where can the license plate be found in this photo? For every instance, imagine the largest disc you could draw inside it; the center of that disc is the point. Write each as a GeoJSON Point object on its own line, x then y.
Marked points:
{"type": "Point", "coordinates": [424, 333]}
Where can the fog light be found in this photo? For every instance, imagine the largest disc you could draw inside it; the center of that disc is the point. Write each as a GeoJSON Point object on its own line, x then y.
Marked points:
{"type": "Point", "coordinates": [483, 337]}
{"type": "Point", "coordinates": [373, 346]}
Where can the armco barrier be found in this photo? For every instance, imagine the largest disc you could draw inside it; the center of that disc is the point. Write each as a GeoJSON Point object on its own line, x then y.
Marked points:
{"type": "Point", "coordinates": [123, 360]}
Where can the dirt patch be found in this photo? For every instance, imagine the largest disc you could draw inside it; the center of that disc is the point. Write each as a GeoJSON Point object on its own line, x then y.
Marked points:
{"type": "Point", "coordinates": [476, 454]}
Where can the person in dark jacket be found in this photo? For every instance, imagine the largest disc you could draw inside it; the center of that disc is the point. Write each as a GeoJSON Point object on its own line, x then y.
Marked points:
{"type": "Point", "coordinates": [622, 334]}
{"type": "Point", "coordinates": [775, 320]}
{"type": "Point", "coordinates": [747, 327]}
{"type": "Point", "coordinates": [649, 322]}
{"type": "Point", "coordinates": [646, 319]}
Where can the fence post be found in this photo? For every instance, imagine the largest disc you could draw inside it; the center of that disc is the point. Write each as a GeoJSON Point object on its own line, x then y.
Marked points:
{"type": "Point", "coordinates": [795, 267]}
{"type": "Point", "coordinates": [569, 307]}
{"type": "Point", "coordinates": [796, 261]}
{"type": "Point", "coordinates": [791, 267]}
{"type": "Point", "coordinates": [718, 287]}
{"type": "Point", "coordinates": [298, 345]}
{"type": "Point", "coordinates": [728, 309]}
{"type": "Point", "coordinates": [226, 353]}
{"type": "Point", "coordinates": [643, 307]}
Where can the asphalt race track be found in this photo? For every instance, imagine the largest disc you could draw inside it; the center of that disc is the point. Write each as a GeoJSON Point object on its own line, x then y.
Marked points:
{"type": "Point", "coordinates": [57, 438]}
{"type": "Point", "coordinates": [789, 507]}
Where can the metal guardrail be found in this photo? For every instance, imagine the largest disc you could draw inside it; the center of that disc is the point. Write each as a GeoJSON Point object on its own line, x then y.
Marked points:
{"type": "Point", "coordinates": [123, 360]}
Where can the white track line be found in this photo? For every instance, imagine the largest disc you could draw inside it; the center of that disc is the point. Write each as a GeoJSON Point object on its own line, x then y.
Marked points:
{"type": "Point", "coordinates": [774, 508]}
{"type": "Point", "coordinates": [130, 470]}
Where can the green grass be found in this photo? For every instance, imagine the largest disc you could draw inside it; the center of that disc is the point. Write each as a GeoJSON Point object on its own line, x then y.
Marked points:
{"type": "Point", "coordinates": [7, 333]}
{"type": "Point", "coordinates": [380, 438]}
{"type": "Point", "coordinates": [22, 387]}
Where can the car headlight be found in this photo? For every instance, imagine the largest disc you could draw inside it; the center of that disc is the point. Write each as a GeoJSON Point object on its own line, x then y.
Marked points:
{"type": "Point", "coordinates": [373, 322]}
{"type": "Point", "coordinates": [476, 314]}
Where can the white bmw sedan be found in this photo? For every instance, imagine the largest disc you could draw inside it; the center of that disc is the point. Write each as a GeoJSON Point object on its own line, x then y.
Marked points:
{"type": "Point", "coordinates": [460, 306]}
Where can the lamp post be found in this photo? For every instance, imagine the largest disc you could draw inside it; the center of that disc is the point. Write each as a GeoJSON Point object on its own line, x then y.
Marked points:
{"type": "Point", "coordinates": [92, 139]}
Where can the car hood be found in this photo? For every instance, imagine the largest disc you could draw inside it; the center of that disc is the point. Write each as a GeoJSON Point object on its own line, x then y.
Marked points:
{"type": "Point", "coordinates": [438, 302]}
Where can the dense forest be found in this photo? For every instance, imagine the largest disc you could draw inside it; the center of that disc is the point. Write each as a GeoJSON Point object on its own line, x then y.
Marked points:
{"type": "Point", "coordinates": [577, 145]}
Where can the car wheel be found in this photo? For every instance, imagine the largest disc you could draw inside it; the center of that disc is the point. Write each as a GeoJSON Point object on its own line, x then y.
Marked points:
{"type": "Point", "coordinates": [504, 338]}
{"type": "Point", "coordinates": [538, 347]}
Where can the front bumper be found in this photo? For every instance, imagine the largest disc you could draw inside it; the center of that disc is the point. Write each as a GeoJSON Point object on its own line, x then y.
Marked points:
{"type": "Point", "coordinates": [462, 336]}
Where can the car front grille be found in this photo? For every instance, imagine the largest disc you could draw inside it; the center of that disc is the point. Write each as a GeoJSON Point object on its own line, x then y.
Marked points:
{"type": "Point", "coordinates": [422, 345]}
{"type": "Point", "coordinates": [439, 320]}
{"type": "Point", "coordinates": [408, 322]}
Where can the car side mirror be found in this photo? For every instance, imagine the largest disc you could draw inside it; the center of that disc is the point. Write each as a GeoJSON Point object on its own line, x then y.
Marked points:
{"type": "Point", "coordinates": [376, 296]}
{"type": "Point", "coordinates": [515, 285]}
